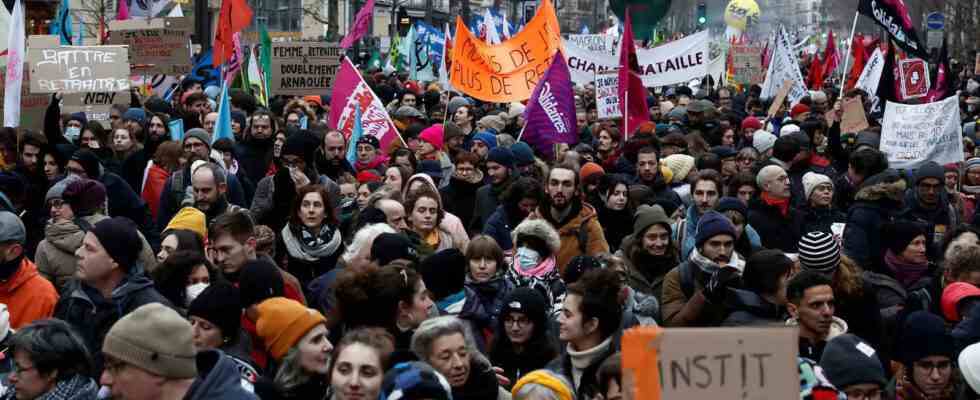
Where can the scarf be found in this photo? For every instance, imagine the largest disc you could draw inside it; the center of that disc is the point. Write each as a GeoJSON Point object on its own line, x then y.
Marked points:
{"type": "Point", "coordinates": [77, 387]}
{"type": "Point", "coordinates": [538, 271]}
{"type": "Point", "coordinates": [709, 267]}
{"type": "Point", "coordinates": [373, 164]}
{"type": "Point", "coordinates": [582, 359]}
{"type": "Point", "coordinates": [452, 304]}
{"type": "Point", "coordinates": [906, 273]}
{"type": "Point", "coordinates": [653, 267]}
{"type": "Point", "coordinates": [782, 204]}
{"type": "Point", "coordinates": [309, 247]}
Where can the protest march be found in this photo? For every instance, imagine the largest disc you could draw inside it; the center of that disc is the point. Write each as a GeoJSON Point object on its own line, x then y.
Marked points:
{"type": "Point", "coordinates": [489, 207]}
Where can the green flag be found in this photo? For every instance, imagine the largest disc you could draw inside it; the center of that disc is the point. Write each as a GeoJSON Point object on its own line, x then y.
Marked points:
{"type": "Point", "coordinates": [265, 58]}
{"type": "Point", "coordinates": [375, 61]}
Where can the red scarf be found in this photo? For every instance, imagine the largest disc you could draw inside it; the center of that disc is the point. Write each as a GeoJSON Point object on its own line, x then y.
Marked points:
{"type": "Point", "coordinates": [783, 204]}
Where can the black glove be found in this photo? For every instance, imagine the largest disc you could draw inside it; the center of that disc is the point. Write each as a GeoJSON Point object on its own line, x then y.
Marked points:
{"type": "Point", "coordinates": [717, 286]}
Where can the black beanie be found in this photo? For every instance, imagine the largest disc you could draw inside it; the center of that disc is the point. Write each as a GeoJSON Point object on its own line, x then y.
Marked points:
{"type": "Point", "coordinates": [847, 360]}
{"type": "Point", "coordinates": [302, 144]}
{"type": "Point", "coordinates": [220, 305]}
{"type": "Point", "coordinates": [578, 266]}
{"type": "Point", "coordinates": [928, 169]}
{"type": "Point", "coordinates": [388, 247]}
{"type": "Point", "coordinates": [529, 302]}
{"type": "Point", "coordinates": [444, 273]}
{"type": "Point", "coordinates": [119, 237]}
{"type": "Point", "coordinates": [259, 280]}
{"type": "Point", "coordinates": [89, 161]}
{"type": "Point", "coordinates": [900, 234]}
{"type": "Point", "coordinates": [924, 335]}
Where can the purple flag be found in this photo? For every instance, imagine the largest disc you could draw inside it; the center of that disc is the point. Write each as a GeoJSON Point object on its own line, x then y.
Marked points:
{"type": "Point", "coordinates": [550, 112]}
{"type": "Point", "coordinates": [360, 26]}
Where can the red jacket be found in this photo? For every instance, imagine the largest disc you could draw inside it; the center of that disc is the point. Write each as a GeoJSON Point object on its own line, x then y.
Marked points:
{"type": "Point", "coordinates": [28, 295]}
{"type": "Point", "coordinates": [156, 179]}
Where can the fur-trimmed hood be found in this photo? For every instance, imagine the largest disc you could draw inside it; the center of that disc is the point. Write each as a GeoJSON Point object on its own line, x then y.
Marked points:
{"type": "Point", "coordinates": [887, 185]}
{"type": "Point", "coordinates": [541, 229]}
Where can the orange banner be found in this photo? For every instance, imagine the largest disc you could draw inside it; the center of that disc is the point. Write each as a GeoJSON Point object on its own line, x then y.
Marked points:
{"type": "Point", "coordinates": [508, 71]}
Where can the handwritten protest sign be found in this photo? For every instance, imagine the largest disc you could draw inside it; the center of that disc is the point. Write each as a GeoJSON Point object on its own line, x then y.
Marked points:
{"type": "Point", "coordinates": [679, 61]}
{"type": "Point", "coordinates": [508, 71]}
{"type": "Point", "coordinates": [607, 94]}
{"type": "Point", "coordinates": [96, 106]}
{"type": "Point", "coordinates": [302, 68]}
{"type": "Point", "coordinates": [783, 67]}
{"type": "Point", "coordinates": [32, 106]}
{"type": "Point", "coordinates": [156, 46]}
{"type": "Point", "coordinates": [853, 120]}
{"type": "Point", "coordinates": [595, 42]}
{"type": "Point", "coordinates": [711, 363]}
{"type": "Point", "coordinates": [914, 78]}
{"type": "Point", "coordinates": [76, 69]}
{"type": "Point", "coordinates": [747, 62]}
{"type": "Point", "coordinates": [915, 133]}
{"type": "Point", "coordinates": [780, 98]}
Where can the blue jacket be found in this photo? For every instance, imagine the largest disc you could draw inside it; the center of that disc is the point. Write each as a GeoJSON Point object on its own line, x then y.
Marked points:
{"type": "Point", "coordinates": [218, 378]}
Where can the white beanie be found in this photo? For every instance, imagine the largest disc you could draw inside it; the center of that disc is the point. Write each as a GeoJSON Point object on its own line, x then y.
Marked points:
{"type": "Point", "coordinates": [811, 180]}
{"type": "Point", "coordinates": [788, 129]}
{"type": "Point", "coordinates": [762, 140]}
{"type": "Point", "coordinates": [680, 165]}
{"type": "Point", "coordinates": [969, 362]}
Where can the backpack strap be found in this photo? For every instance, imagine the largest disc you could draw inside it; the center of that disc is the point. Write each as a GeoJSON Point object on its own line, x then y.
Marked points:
{"type": "Point", "coordinates": [687, 278]}
{"type": "Point", "coordinates": [583, 236]}
{"type": "Point", "coordinates": [177, 186]}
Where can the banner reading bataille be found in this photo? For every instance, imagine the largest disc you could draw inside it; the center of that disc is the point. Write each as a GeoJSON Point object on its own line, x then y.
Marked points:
{"type": "Point", "coordinates": [676, 62]}
{"type": "Point", "coordinates": [350, 93]}
{"type": "Point", "coordinates": [550, 112]}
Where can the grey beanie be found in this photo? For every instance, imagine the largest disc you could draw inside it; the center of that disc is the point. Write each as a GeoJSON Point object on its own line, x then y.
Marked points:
{"type": "Point", "coordinates": [59, 188]}
{"type": "Point", "coordinates": [199, 134]}
{"type": "Point", "coordinates": [847, 360]}
{"type": "Point", "coordinates": [647, 216]}
{"type": "Point", "coordinates": [154, 338]}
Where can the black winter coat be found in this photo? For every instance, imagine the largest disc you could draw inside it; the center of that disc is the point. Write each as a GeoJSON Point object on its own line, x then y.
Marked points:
{"type": "Point", "coordinates": [775, 230]}
{"type": "Point", "coordinates": [821, 219]}
{"type": "Point", "coordinates": [748, 308]}
{"type": "Point", "coordinates": [875, 204]}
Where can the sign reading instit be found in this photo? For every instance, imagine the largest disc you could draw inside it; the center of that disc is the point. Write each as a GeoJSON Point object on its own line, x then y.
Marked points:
{"type": "Point", "coordinates": [607, 94]}
{"type": "Point", "coordinates": [75, 69]}
{"type": "Point", "coordinates": [303, 68]}
{"type": "Point", "coordinates": [915, 133]}
{"type": "Point", "coordinates": [157, 46]}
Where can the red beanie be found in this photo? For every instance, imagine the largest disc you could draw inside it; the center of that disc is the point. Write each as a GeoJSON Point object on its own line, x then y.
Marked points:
{"type": "Point", "coordinates": [367, 176]}
{"type": "Point", "coordinates": [751, 124]}
{"type": "Point", "coordinates": [799, 109]}
{"type": "Point", "coordinates": [433, 135]}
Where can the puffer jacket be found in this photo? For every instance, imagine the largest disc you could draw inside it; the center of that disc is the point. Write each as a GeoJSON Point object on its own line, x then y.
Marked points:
{"type": "Point", "coordinates": [581, 224]}
{"type": "Point", "coordinates": [749, 309]}
{"type": "Point", "coordinates": [875, 204]}
{"type": "Point", "coordinates": [217, 378]}
{"type": "Point", "coordinates": [55, 257]}
{"type": "Point", "coordinates": [550, 283]}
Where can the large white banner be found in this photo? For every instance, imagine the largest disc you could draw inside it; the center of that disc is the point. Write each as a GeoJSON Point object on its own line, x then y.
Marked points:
{"type": "Point", "coordinates": [784, 66]}
{"type": "Point", "coordinates": [915, 133]}
{"type": "Point", "coordinates": [676, 62]}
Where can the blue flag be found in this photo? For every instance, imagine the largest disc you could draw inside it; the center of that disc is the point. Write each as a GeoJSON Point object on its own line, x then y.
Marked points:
{"type": "Point", "coordinates": [222, 128]}
{"type": "Point", "coordinates": [61, 25]}
{"type": "Point", "coordinates": [355, 135]}
{"type": "Point", "coordinates": [176, 129]}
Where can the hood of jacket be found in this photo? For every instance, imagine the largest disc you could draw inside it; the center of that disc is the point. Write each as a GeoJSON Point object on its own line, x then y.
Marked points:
{"type": "Point", "coordinates": [938, 214]}
{"type": "Point", "coordinates": [887, 185]}
{"type": "Point", "coordinates": [837, 327]}
{"type": "Point", "coordinates": [67, 235]}
{"type": "Point", "coordinates": [541, 229]}
{"type": "Point", "coordinates": [217, 378]}
{"type": "Point", "coordinates": [751, 302]}
{"type": "Point", "coordinates": [582, 212]}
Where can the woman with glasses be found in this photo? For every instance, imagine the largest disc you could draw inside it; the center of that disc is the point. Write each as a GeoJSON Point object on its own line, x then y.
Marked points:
{"type": "Point", "coordinates": [926, 353]}
{"type": "Point", "coordinates": [50, 362]}
{"type": "Point", "coordinates": [523, 343]}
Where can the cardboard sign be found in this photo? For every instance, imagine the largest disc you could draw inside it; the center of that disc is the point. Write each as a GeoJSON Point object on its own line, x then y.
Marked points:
{"type": "Point", "coordinates": [32, 105]}
{"type": "Point", "coordinates": [78, 69]}
{"type": "Point", "coordinates": [302, 68]}
{"type": "Point", "coordinates": [711, 363]}
{"type": "Point", "coordinates": [607, 94]}
{"type": "Point", "coordinates": [915, 78]}
{"type": "Point", "coordinates": [780, 98]}
{"type": "Point", "coordinates": [95, 105]}
{"type": "Point", "coordinates": [157, 46]}
{"type": "Point", "coordinates": [853, 119]}
{"type": "Point", "coordinates": [747, 63]}
{"type": "Point", "coordinates": [509, 71]}
{"type": "Point", "coordinates": [915, 133]}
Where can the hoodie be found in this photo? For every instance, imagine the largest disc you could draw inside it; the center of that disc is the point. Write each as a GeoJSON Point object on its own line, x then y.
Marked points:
{"type": "Point", "coordinates": [218, 378]}
{"type": "Point", "coordinates": [451, 224]}
{"type": "Point", "coordinates": [875, 203]}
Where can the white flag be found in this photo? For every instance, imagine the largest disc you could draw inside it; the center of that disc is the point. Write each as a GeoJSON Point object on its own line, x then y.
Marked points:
{"type": "Point", "coordinates": [15, 67]}
{"type": "Point", "coordinates": [443, 73]}
{"type": "Point", "coordinates": [253, 74]}
{"type": "Point", "coordinates": [176, 11]}
{"type": "Point", "coordinates": [783, 67]}
{"type": "Point", "coordinates": [493, 37]}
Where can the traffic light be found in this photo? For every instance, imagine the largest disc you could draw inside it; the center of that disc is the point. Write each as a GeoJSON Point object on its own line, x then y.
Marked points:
{"type": "Point", "coordinates": [702, 15]}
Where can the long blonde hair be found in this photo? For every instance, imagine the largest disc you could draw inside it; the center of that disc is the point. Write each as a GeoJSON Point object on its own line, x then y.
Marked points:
{"type": "Point", "coordinates": [847, 279]}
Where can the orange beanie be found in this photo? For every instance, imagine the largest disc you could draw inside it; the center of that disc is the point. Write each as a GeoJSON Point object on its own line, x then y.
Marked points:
{"type": "Point", "coordinates": [589, 169]}
{"type": "Point", "coordinates": [283, 322]}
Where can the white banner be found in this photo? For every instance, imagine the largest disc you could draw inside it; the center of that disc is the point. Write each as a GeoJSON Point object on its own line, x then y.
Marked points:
{"type": "Point", "coordinates": [915, 133]}
{"type": "Point", "coordinates": [596, 42]}
{"type": "Point", "coordinates": [784, 66]}
{"type": "Point", "coordinates": [676, 62]}
{"type": "Point", "coordinates": [607, 94]}
{"type": "Point", "coordinates": [868, 81]}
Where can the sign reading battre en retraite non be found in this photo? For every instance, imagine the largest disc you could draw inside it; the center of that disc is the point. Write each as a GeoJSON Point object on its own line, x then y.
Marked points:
{"type": "Point", "coordinates": [304, 68]}
{"type": "Point", "coordinates": [75, 69]}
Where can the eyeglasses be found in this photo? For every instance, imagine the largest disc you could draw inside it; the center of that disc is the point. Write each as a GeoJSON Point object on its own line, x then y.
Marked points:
{"type": "Point", "coordinates": [940, 366]}
{"type": "Point", "coordinates": [858, 394]}
{"type": "Point", "coordinates": [519, 321]}
{"type": "Point", "coordinates": [56, 203]}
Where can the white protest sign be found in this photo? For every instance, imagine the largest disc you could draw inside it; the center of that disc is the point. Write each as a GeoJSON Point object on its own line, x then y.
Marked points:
{"type": "Point", "coordinates": [607, 94]}
{"type": "Point", "coordinates": [76, 69]}
{"type": "Point", "coordinates": [595, 42]}
{"type": "Point", "coordinates": [676, 62]}
{"type": "Point", "coordinates": [784, 66]}
{"type": "Point", "coordinates": [868, 81]}
{"type": "Point", "coordinates": [915, 133]}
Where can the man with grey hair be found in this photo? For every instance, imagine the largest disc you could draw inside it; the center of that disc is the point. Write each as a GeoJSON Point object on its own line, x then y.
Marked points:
{"type": "Point", "coordinates": [447, 345]}
{"type": "Point", "coordinates": [778, 224]}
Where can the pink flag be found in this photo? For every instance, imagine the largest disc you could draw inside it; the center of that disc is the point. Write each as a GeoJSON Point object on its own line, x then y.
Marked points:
{"type": "Point", "coordinates": [351, 93]}
{"type": "Point", "coordinates": [123, 11]}
{"type": "Point", "coordinates": [360, 27]}
{"type": "Point", "coordinates": [237, 58]}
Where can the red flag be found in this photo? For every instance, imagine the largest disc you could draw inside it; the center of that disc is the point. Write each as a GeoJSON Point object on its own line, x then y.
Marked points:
{"type": "Point", "coordinates": [830, 56]}
{"type": "Point", "coordinates": [857, 59]}
{"type": "Point", "coordinates": [234, 17]}
{"type": "Point", "coordinates": [632, 94]}
{"type": "Point", "coordinates": [814, 78]}
{"type": "Point", "coordinates": [360, 26]}
{"type": "Point", "coordinates": [123, 12]}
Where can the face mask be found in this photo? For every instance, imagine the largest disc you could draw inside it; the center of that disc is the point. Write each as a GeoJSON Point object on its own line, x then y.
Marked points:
{"type": "Point", "coordinates": [72, 133]}
{"type": "Point", "coordinates": [195, 290]}
{"type": "Point", "coordinates": [527, 258]}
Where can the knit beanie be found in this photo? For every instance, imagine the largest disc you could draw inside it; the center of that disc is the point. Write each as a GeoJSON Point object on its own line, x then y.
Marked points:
{"type": "Point", "coordinates": [547, 379]}
{"type": "Point", "coordinates": [819, 251]}
{"type": "Point", "coordinates": [847, 360]}
{"type": "Point", "coordinates": [732, 204]}
{"type": "Point", "coordinates": [969, 365]}
{"type": "Point", "coordinates": [647, 216]}
{"type": "Point", "coordinates": [924, 335]}
{"type": "Point", "coordinates": [679, 113]}
{"type": "Point", "coordinates": [119, 237]}
{"type": "Point", "coordinates": [751, 124]}
{"type": "Point", "coordinates": [502, 156]}
{"type": "Point", "coordinates": [449, 131]}
{"type": "Point", "coordinates": [259, 280]}
{"type": "Point", "coordinates": [529, 302]}
{"type": "Point", "coordinates": [85, 196]}
{"type": "Point", "coordinates": [433, 135]}
{"type": "Point", "coordinates": [283, 322]}
{"type": "Point", "coordinates": [388, 247]}
{"type": "Point", "coordinates": [487, 138]}
{"type": "Point", "coordinates": [762, 140]}
{"type": "Point", "coordinates": [523, 155]}
{"type": "Point", "coordinates": [12, 229]}
{"type": "Point", "coordinates": [444, 273]}
{"type": "Point", "coordinates": [89, 162]}
{"type": "Point", "coordinates": [811, 180]}
{"type": "Point", "coordinates": [713, 224]}
{"type": "Point", "coordinates": [366, 139]}
{"type": "Point", "coordinates": [58, 189]}
{"type": "Point", "coordinates": [80, 116]}
{"type": "Point", "coordinates": [304, 145]}
{"type": "Point", "coordinates": [515, 110]}
{"type": "Point", "coordinates": [679, 164]}
{"type": "Point", "coordinates": [191, 219]}
{"type": "Point", "coordinates": [367, 176]}
{"type": "Point", "coordinates": [578, 266]}
{"type": "Point", "coordinates": [928, 169]}
{"type": "Point", "coordinates": [973, 162]}
{"type": "Point", "coordinates": [457, 102]}
{"type": "Point", "coordinates": [900, 233]}
{"type": "Point", "coordinates": [154, 338]}
{"type": "Point", "coordinates": [952, 295]}
{"type": "Point", "coordinates": [220, 305]}
{"type": "Point", "coordinates": [799, 109]}
{"type": "Point", "coordinates": [788, 129]}
{"type": "Point", "coordinates": [493, 122]}
{"type": "Point", "coordinates": [415, 380]}
{"type": "Point", "coordinates": [135, 114]}
{"type": "Point", "coordinates": [199, 134]}
{"type": "Point", "coordinates": [589, 169]}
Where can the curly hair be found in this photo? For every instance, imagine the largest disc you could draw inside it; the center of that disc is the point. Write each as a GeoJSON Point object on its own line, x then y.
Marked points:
{"type": "Point", "coordinates": [380, 290]}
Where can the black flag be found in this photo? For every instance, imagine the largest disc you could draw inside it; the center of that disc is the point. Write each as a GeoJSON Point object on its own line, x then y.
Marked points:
{"type": "Point", "coordinates": [894, 17]}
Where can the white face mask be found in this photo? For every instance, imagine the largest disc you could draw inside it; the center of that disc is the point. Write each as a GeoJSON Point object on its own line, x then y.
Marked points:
{"type": "Point", "coordinates": [195, 290]}
{"type": "Point", "coordinates": [527, 258]}
{"type": "Point", "coordinates": [72, 133]}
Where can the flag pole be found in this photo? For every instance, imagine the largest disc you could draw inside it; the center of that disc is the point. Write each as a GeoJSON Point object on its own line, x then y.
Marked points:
{"type": "Point", "coordinates": [847, 57]}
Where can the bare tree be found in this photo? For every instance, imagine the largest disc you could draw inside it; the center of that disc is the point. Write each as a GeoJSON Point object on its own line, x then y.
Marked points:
{"type": "Point", "coordinates": [317, 9]}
